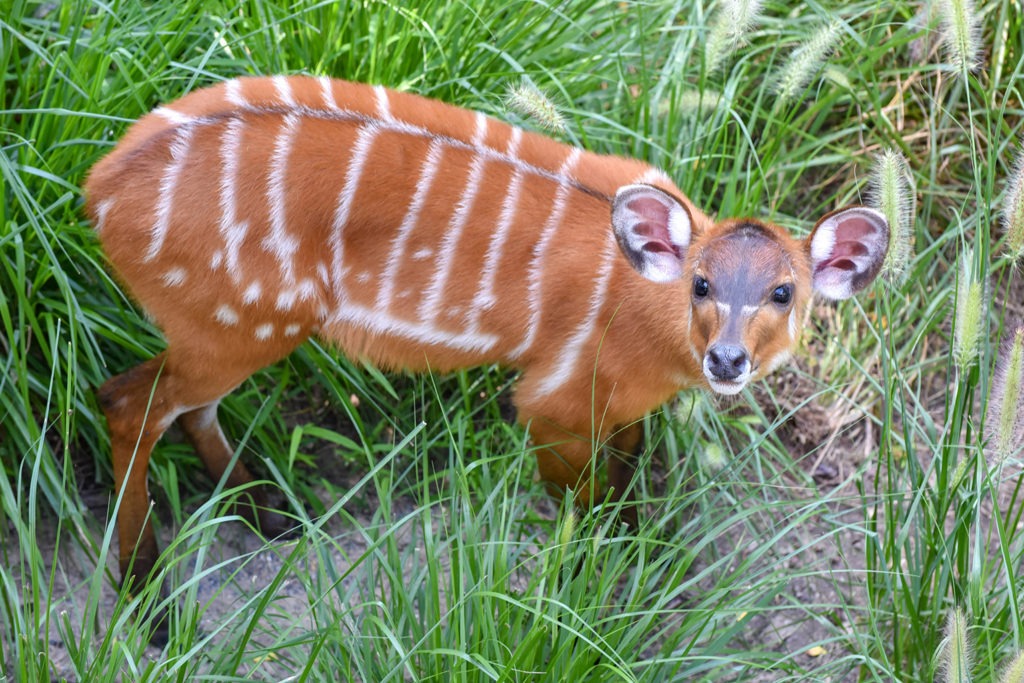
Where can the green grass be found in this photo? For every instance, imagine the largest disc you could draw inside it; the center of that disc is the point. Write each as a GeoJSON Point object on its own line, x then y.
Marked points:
{"type": "Point", "coordinates": [427, 552]}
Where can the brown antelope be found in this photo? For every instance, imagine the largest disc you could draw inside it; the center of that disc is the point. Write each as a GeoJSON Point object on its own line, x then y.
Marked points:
{"type": "Point", "coordinates": [253, 214]}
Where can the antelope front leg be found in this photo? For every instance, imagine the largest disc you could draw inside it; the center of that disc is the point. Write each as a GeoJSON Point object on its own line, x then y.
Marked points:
{"type": "Point", "coordinates": [565, 462]}
{"type": "Point", "coordinates": [624, 448]}
{"type": "Point", "coordinates": [203, 431]}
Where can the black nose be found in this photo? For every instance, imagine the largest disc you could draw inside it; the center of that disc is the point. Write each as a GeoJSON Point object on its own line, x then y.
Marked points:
{"type": "Point", "coordinates": [727, 361]}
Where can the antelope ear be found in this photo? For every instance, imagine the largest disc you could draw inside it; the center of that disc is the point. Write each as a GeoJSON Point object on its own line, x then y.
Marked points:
{"type": "Point", "coordinates": [847, 250]}
{"type": "Point", "coordinates": [653, 231]}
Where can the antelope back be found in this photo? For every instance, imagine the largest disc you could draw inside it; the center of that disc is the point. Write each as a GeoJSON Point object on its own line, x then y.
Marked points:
{"type": "Point", "coordinates": [410, 232]}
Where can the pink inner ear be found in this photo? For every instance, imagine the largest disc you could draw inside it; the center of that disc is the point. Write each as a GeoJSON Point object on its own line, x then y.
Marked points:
{"type": "Point", "coordinates": [657, 238]}
{"type": "Point", "coordinates": [842, 252]}
{"type": "Point", "coordinates": [651, 209]}
{"type": "Point", "coordinates": [655, 225]}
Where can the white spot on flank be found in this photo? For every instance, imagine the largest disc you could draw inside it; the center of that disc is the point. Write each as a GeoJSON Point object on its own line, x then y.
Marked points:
{"type": "Point", "coordinates": [280, 242]}
{"type": "Point", "coordinates": [175, 277]}
{"type": "Point", "coordinates": [216, 259]}
{"type": "Point", "coordinates": [398, 244]}
{"type": "Point", "coordinates": [102, 209]}
{"type": "Point", "coordinates": [263, 332]}
{"type": "Point", "coordinates": [429, 307]}
{"type": "Point", "coordinates": [306, 289]}
{"type": "Point", "coordinates": [536, 272]}
{"type": "Point", "coordinates": [364, 277]}
{"type": "Point", "coordinates": [168, 184]}
{"type": "Point", "coordinates": [424, 253]}
{"type": "Point", "coordinates": [292, 330]}
{"type": "Point", "coordinates": [226, 315]}
{"type": "Point", "coordinates": [286, 299]}
{"type": "Point", "coordinates": [569, 355]}
{"type": "Point", "coordinates": [252, 293]}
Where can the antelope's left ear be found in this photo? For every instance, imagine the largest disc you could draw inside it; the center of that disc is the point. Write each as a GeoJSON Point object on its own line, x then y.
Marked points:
{"type": "Point", "coordinates": [847, 250]}
{"type": "Point", "coordinates": [653, 230]}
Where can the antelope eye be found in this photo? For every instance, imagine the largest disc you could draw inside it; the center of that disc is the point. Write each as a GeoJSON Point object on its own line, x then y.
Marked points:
{"type": "Point", "coordinates": [700, 287]}
{"type": "Point", "coordinates": [782, 294]}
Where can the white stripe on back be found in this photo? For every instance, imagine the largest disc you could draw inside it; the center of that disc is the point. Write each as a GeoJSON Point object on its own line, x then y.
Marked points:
{"type": "Point", "coordinates": [283, 87]}
{"type": "Point", "coordinates": [536, 271]}
{"type": "Point", "coordinates": [360, 151]}
{"type": "Point", "coordinates": [233, 93]}
{"type": "Point", "coordinates": [280, 242]}
{"type": "Point", "coordinates": [446, 257]}
{"type": "Point", "coordinates": [231, 229]}
{"type": "Point", "coordinates": [378, 322]}
{"type": "Point", "coordinates": [485, 297]}
{"type": "Point", "coordinates": [398, 245]}
{"type": "Point", "coordinates": [569, 355]}
{"type": "Point", "coordinates": [179, 149]}
{"type": "Point", "coordinates": [383, 106]}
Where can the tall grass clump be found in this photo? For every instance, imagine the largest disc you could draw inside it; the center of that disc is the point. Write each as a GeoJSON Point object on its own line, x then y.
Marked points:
{"type": "Point", "coordinates": [821, 526]}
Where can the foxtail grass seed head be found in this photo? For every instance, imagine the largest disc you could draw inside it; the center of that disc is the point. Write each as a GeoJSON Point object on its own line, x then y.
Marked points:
{"type": "Point", "coordinates": [568, 527]}
{"type": "Point", "coordinates": [732, 21]}
{"type": "Point", "coordinates": [894, 196]}
{"type": "Point", "coordinates": [960, 33]}
{"type": "Point", "coordinates": [1013, 211]}
{"type": "Point", "coordinates": [1004, 419]}
{"type": "Point", "coordinates": [970, 295]}
{"type": "Point", "coordinates": [1014, 672]}
{"type": "Point", "coordinates": [805, 62]}
{"type": "Point", "coordinates": [713, 457]}
{"type": "Point", "coordinates": [956, 652]}
{"type": "Point", "coordinates": [527, 99]}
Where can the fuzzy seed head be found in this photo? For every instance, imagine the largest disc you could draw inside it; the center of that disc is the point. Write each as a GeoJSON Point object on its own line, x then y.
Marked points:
{"type": "Point", "coordinates": [698, 102]}
{"type": "Point", "coordinates": [956, 653]}
{"type": "Point", "coordinates": [894, 195]}
{"type": "Point", "coordinates": [527, 99]}
{"type": "Point", "coordinates": [1004, 418]}
{"type": "Point", "coordinates": [732, 21]}
{"type": "Point", "coordinates": [804, 62]}
{"type": "Point", "coordinates": [568, 527]}
{"type": "Point", "coordinates": [1014, 672]}
{"type": "Point", "coordinates": [970, 296]}
{"type": "Point", "coordinates": [1013, 211]}
{"type": "Point", "coordinates": [960, 33]}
